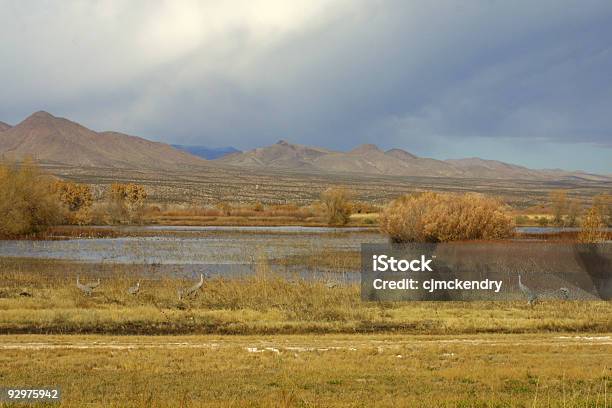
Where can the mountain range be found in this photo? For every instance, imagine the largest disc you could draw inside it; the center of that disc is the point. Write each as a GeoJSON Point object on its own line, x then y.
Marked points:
{"type": "Point", "coordinates": [369, 159]}
{"type": "Point", "coordinates": [55, 140]}
{"type": "Point", "coordinates": [208, 153]}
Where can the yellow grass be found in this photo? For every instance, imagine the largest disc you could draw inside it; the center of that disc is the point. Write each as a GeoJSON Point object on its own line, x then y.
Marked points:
{"type": "Point", "coordinates": [558, 370]}
{"type": "Point", "coordinates": [47, 301]}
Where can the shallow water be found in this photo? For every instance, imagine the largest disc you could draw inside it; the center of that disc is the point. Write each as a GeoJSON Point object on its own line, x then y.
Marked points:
{"type": "Point", "coordinates": [207, 246]}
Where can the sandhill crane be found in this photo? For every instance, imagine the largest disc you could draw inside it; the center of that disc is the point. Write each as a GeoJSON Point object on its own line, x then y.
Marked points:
{"type": "Point", "coordinates": [134, 289]}
{"type": "Point", "coordinates": [532, 297]}
{"type": "Point", "coordinates": [84, 288]}
{"type": "Point", "coordinates": [331, 284]}
{"type": "Point", "coordinates": [94, 285]}
{"type": "Point", "coordinates": [185, 292]}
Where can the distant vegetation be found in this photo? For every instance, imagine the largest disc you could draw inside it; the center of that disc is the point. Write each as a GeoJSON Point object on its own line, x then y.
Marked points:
{"type": "Point", "coordinates": [337, 205]}
{"type": "Point", "coordinates": [27, 200]}
{"type": "Point", "coordinates": [31, 201]}
{"type": "Point", "coordinates": [437, 217]}
{"type": "Point", "coordinates": [591, 230]}
{"type": "Point", "coordinates": [77, 200]}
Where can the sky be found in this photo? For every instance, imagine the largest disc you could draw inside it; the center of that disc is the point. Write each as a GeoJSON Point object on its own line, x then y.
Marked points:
{"type": "Point", "coordinates": [519, 81]}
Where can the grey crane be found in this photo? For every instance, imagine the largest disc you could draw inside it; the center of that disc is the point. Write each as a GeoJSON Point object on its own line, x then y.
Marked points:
{"type": "Point", "coordinates": [133, 290]}
{"type": "Point", "coordinates": [185, 292]}
{"type": "Point", "coordinates": [94, 285]}
{"type": "Point", "coordinates": [331, 284]}
{"type": "Point", "coordinates": [532, 297]}
{"type": "Point", "coordinates": [84, 288]}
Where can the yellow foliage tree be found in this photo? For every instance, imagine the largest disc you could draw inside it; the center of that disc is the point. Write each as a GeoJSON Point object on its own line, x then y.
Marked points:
{"type": "Point", "coordinates": [337, 205]}
{"type": "Point", "coordinates": [558, 200]}
{"type": "Point", "coordinates": [603, 203]}
{"type": "Point", "coordinates": [127, 201]}
{"type": "Point", "coordinates": [27, 200]}
{"type": "Point", "coordinates": [591, 229]}
{"type": "Point", "coordinates": [437, 217]}
{"type": "Point", "coordinates": [77, 198]}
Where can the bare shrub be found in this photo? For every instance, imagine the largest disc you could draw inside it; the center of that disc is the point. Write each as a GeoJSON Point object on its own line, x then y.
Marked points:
{"type": "Point", "coordinates": [337, 205]}
{"type": "Point", "coordinates": [27, 201]}
{"type": "Point", "coordinates": [558, 199]}
{"type": "Point", "coordinates": [573, 212]}
{"type": "Point", "coordinates": [437, 217]}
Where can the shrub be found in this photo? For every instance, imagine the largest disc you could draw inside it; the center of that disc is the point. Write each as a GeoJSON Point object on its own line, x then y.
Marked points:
{"type": "Point", "coordinates": [77, 199]}
{"type": "Point", "coordinates": [603, 203]}
{"type": "Point", "coordinates": [558, 199]}
{"type": "Point", "coordinates": [591, 230]}
{"type": "Point", "coordinates": [126, 202]}
{"type": "Point", "coordinates": [27, 201]}
{"type": "Point", "coordinates": [573, 212]}
{"type": "Point", "coordinates": [521, 220]}
{"type": "Point", "coordinates": [337, 206]}
{"type": "Point", "coordinates": [436, 217]}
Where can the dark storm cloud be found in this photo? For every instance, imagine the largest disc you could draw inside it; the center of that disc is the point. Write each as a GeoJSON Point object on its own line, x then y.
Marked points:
{"type": "Point", "coordinates": [443, 78]}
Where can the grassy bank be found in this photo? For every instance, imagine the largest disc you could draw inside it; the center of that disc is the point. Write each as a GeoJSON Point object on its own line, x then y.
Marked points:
{"type": "Point", "coordinates": [42, 298]}
{"type": "Point", "coordinates": [558, 370]}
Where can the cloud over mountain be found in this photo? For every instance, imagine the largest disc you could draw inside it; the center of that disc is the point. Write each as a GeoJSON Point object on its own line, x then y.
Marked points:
{"type": "Point", "coordinates": [521, 80]}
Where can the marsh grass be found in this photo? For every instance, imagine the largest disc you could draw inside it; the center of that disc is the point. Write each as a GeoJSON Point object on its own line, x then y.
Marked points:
{"type": "Point", "coordinates": [535, 371]}
{"type": "Point", "coordinates": [41, 297]}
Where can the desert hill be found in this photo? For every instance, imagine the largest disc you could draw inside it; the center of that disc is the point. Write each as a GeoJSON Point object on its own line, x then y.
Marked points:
{"type": "Point", "coordinates": [54, 140]}
{"type": "Point", "coordinates": [369, 159]}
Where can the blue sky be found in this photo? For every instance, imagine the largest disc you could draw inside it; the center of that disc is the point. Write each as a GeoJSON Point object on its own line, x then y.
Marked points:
{"type": "Point", "coordinates": [524, 82]}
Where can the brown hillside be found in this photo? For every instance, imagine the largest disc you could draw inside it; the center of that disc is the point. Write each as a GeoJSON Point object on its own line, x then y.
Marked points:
{"type": "Point", "coordinates": [50, 139]}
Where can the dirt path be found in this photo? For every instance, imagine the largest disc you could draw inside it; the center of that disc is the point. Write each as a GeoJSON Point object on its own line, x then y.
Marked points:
{"type": "Point", "coordinates": [277, 344]}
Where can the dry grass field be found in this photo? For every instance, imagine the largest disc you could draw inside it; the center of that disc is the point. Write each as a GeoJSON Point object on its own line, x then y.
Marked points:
{"type": "Point", "coordinates": [371, 370]}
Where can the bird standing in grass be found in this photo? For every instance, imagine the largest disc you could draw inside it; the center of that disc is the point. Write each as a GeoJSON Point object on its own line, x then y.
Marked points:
{"type": "Point", "coordinates": [185, 292]}
{"type": "Point", "coordinates": [134, 289]}
{"type": "Point", "coordinates": [93, 285]}
{"type": "Point", "coordinates": [532, 297]}
{"type": "Point", "coordinates": [84, 288]}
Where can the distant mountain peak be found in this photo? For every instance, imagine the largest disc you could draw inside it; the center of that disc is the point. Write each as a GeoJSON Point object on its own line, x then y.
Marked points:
{"type": "Point", "coordinates": [401, 154]}
{"type": "Point", "coordinates": [52, 139]}
{"type": "Point", "coordinates": [41, 115]}
{"type": "Point", "coordinates": [364, 148]}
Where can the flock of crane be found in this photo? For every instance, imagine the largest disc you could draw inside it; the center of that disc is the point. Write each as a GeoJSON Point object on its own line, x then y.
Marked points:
{"type": "Point", "coordinates": [87, 288]}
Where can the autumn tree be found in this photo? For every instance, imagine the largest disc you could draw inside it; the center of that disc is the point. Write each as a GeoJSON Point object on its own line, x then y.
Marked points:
{"type": "Point", "coordinates": [591, 229]}
{"type": "Point", "coordinates": [603, 203]}
{"type": "Point", "coordinates": [77, 199]}
{"type": "Point", "coordinates": [573, 212]}
{"type": "Point", "coordinates": [438, 217]}
{"type": "Point", "coordinates": [558, 200]}
{"type": "Point", "coordinates": [337, 206]}
{"type": "Point", "coordinates": [126, 202]}
{"type": "Point", "coordinates": [27, 200]}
